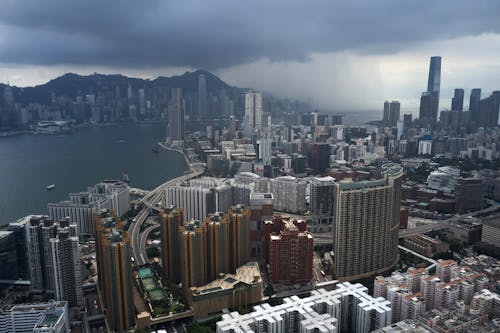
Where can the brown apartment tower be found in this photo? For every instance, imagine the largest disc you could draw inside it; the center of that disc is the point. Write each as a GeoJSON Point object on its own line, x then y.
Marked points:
{"type": "Point", "coordinates": [239, 236]}
{"type": "Point", "coordinates": [219, 244]}
{"type": "Point", "coordinates": [367, 224]}
{"type": "Point", "coordinates": [192, 245]}
{"type": "Point", "coordinates": [114, 270]}
{"type": "Point", "coordinates": [216, 228]}
{"type": "Point", "coordinates": [289, 250]}
{"type": "Point", "coordinates": [171, 261]}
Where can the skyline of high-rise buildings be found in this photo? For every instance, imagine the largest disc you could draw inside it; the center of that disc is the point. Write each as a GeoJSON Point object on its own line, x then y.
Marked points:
{"type": "Point", "coordinates": [335, 177]}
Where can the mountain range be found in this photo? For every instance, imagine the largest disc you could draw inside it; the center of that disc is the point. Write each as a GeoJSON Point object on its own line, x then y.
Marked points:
{"type": "Point", "coordinates": [72, 85]}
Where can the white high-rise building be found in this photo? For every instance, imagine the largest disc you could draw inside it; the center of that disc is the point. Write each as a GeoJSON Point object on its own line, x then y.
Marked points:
{"type": "Point", "coordinates": [322, 190]}
{"type": "Point", "coordinates": [425, 147]}
{"type": "Point", "coordinates": [206, 195]}
{"type": "Point", "coordinates": [54, 259]}
{"type": "Point", "coordinates": [289, 194]}
{"type": "Point", "coordinates": [253, 113]}
{"type": "Point", "coordinates": [265, 151]}
{"type": "Point", "coordinates": [348, 308]}
{"type": "Point", "coordinates": [39, 231]}
{"type": "Point", "coordinates": [65, 254]}
{"type": "Point", "coordinates": [202, 96]}
{"type": "Point", "coordinates": [401, 127]}
{"type": "Point", "coordinates": [81, 206]}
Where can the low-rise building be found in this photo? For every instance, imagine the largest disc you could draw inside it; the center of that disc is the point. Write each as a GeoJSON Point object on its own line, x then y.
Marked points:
{"type": "Point", "coordinates": [491, 231]}
{"type": "Point", "coordinates": [51, 317]}
{"type": "Point", "coordinates": [467, 231]}
{"type": "Point", "coordinates": [425, 245]}
{"type": "Point", "coordinates": [229, 291]}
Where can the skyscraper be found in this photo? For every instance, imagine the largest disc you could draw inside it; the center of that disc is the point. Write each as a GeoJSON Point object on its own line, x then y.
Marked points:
{"type": "Point", "coordinates": [319, 156]}
{"type": "Point", "coordinates": [218, 243]}
{"type": "Point", "coordinates": [142, 102]}
{"type": "Point", "coordinates": [193, 255]}
{"type": "Point", "coordinates": [429, 102]}
{"type": "Point", "coordinates": [39, 231]}
{"type": "Point", "coordinates": [170, 225]}
{"type": "Point", "coordinates": [65, 253]}
{"type": "Point", "coordinates": [239, 236]}
{"type": "Point", "coordinates": [367, 224]}
{"type": "Point", "coordinates": [114, 270]}
{"type": "Point", "coordinates": [202, 97]}
{"type": "Point", "coordinates": [434, 82]}
{"type": "Point", "coordinates": [253, 113]}
{"type": "Point", "coordinates": [489, 109]}
{"type": "Point", "coordinates": [457, 102]}
{"type": "Point", "coordinates": [321, 199]}
{"type": "Point", "coordinates": [8, 255]}
{"type": "Point", "coordinates": [475, 97]}
{"type": "Point", "coordinates": [175, 129]}
{"type": "Point", "coordinates": [289, 250]}
{"type": "Point", "coordinates": [265, 153]}
{"type": "Point", "coordinates": [391, 112]}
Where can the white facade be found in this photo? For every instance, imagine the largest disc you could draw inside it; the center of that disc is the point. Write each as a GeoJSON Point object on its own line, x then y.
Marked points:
{"type": "Point", "coordinates": [444, 179]}
{"type": "Point", "coordinates": [196, 201]}
{"type": "Point", "coordinates": [36, 318]}
{"type": "Point", "coordinates": [323, 311]}
{"type": "Point", "coordinates": [206, 195]}
{"type": "Point", "coordinates": [289, 194]}
{"type": "Point", "coordinates": [37, 245]}
{"type": "Point", "coordinates": [265, 153]}
{"type": "Point", "coordinates": [65, 254]}
{"type": "Point", "coordinates": [81, 206]}
{"type": "Point", "coordinates": [491, 231]}
{"type": "Point", "coordinates": [253, 113]}
{"type": "Point", "coordinates": [425, 147]}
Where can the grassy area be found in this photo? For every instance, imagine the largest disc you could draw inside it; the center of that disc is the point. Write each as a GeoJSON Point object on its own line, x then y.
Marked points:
{"type": "Point", "coordinates": [208, 326]}
{"type": "Point", "coordinates": [152, 252]}
{"type": "Point", "coordinates": [197, 328]}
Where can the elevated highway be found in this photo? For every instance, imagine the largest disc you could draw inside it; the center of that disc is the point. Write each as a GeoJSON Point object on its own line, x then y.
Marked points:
{"type": "Point", "coordinates": [153, 200]}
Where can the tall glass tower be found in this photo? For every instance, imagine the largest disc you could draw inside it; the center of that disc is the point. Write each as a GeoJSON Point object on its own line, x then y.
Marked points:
{"type": "Point", "coordinates": [429, 102]}
{"type": "Point", "coordinates": [434, 82]}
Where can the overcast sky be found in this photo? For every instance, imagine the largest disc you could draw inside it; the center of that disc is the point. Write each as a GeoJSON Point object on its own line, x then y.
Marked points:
{"type": "Point", "coordinates": [340, 55]}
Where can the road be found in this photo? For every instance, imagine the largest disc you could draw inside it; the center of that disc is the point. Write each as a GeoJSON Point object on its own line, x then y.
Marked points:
{"type": "Point", "coordinates": [444, 223]}
{"type": "Point", "coordinates": [144, 238]}
{"type": "Point", "coordinates": [327, 237]}
{"type": "Point", "coordinates": [151, 201]}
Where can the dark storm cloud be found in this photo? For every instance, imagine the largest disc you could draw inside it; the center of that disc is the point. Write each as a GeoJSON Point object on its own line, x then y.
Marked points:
{"type": "Point", "coordinates": [214, 34]}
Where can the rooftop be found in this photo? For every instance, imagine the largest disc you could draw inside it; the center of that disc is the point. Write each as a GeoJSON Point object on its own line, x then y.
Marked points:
{"type": "Point", "coordinates": [248, 274]}
{"type": "Point", "coordinates": [5, 234]}
{"type": "Point", "coordinates": [493, 221]}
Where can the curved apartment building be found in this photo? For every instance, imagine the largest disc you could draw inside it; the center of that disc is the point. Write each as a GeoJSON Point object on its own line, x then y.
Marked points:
{"type": "Point", "coordinates": [367, 224]}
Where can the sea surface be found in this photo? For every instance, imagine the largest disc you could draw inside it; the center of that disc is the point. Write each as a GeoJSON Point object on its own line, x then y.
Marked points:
{"type": "Point", "coordinates": [28, 163]}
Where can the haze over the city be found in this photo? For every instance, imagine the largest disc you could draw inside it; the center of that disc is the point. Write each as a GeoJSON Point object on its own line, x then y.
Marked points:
{"type": "Point", "coordinates": [333, 54]}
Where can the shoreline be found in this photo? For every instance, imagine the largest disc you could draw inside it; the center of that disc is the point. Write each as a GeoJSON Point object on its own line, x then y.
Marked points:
{"type": "Point", "coordinates": [8, 134]}
{"type": "Point", "coordinates": [180, 151]}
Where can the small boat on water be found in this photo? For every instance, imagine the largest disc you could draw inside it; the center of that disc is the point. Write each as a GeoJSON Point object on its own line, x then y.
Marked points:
{"type": "Point", "coordinates": [155, 150]}
{"type": "Point", "coordinates": [50, 187]}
